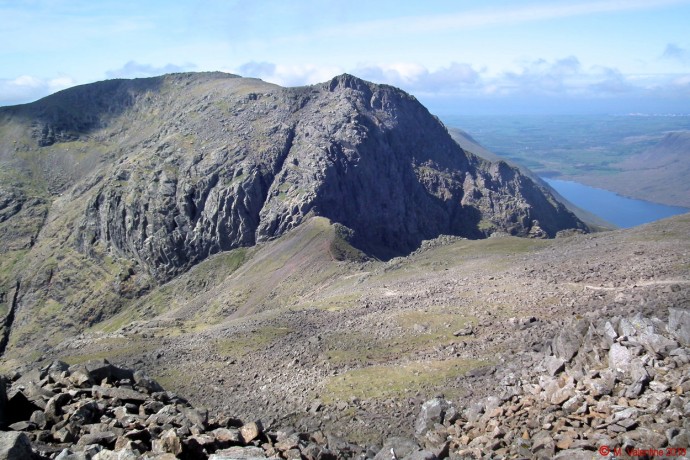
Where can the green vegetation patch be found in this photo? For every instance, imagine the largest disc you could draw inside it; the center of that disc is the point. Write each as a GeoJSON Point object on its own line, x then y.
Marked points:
{"type": "Point", "coordinates": [397, 380]}
{"type": "Point", "coordinates": [255, 340]}
{"type": "Point", "coordinates": [180, 291]}
{"type": "Point", "coordinates": [111, 348]}
{"type": "Point", "coordinates": [420, 331]}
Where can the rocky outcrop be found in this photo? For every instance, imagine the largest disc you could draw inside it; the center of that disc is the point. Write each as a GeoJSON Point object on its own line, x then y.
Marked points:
{"type": "Point", "coordinates": [618, 385]}
{"type": "Point", "coordinates": [622, 386]}
{"type": "Point", "coordinates": [101, 411]}
{"type": "Point", "coordinates": [367, 156]}
{"type": "Point", "coordinates": [121, 186]}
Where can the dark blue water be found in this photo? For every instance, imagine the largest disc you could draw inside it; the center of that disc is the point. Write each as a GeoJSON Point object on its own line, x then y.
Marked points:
{"type": "Point", "coordinates": [619, 210]}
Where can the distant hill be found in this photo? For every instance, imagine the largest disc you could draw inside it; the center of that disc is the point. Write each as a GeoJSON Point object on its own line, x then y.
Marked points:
{"type": "Point", "coordinates": [469, 144]}
{"type": "Point", "coordinates": [658, 174]}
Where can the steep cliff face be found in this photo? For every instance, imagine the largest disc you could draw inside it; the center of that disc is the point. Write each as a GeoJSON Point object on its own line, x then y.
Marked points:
{"type": "Point", "coordinates": [239, 167]}
{"type": "Point", "coordinates": [117, 186]}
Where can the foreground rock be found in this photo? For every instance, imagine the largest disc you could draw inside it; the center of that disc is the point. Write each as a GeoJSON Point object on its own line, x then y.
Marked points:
{"type": "Point", "coordinates": [617, 383]}
{"type": "Point", "coordinates": [101, 411]}
{"type": "Point", "coordinates": [624, 383]}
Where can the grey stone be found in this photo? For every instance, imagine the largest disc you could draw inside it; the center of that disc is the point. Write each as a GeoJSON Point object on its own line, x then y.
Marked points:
{"type": "Point", "coordinates": [14, 446]}
{"type": "Point", "coordinates": [238, 453]}
{"type": "Point", "coordinates": [401, 446]}
{"type": "Point", "coordinates": [566, 344]}
{"type": "Point", "coordinates": [679, 324]}
{"type": "Point", "coordinates": [432, 412]}
{"type": "Point", "coordinates": [619, 357]}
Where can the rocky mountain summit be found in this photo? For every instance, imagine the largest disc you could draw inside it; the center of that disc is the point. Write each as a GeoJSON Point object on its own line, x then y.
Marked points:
{"type": "Point", "coordinates": [325, 260]}
{"type": "Point", "coordinates": [113, 188]}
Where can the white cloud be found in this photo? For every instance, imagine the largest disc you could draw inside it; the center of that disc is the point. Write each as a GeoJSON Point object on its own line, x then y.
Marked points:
{"type": "Point", "coordinates": [417, 78]}
{"type": "Point", "coordinates": [288, 74]}
{"type": "Point", "coordinates": [133, 69]}
{"type": "Point", "coordinates": [566, 77]}
{"type": "Point", "coordinates": [29, 88]}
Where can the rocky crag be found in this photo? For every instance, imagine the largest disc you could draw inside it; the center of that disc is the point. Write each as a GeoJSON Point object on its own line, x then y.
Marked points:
{"type": "Point", "coordinates": [601, 387]}
{"type": "Point", "coordinates": [113, 188]}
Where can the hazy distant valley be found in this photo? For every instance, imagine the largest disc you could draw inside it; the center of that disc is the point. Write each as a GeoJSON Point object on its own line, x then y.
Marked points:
{"type": "Point", "coordinates": [641, 156]}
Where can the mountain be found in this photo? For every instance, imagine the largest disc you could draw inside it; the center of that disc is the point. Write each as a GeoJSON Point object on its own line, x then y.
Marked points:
{"type": "Point", "coordinates": [316, 258]}
{"type": "Point", "coordinates": [660, 172]}
{"type": "Point", "coordinates": [656, 174]}
{"type": "Point", "coordinates": [113, 188]}
{"type": "Point", "coordinates": [469, 144]}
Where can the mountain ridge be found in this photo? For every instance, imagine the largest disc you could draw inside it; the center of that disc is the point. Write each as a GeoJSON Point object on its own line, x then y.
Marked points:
{"type": "Point", "coordinates": [304, 326]}
{"type": "Point", "coordinates": [162, 173]}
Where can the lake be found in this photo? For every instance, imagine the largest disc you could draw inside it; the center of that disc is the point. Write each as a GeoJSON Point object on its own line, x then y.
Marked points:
{"type": "Point", "coordinates": [622, 211]}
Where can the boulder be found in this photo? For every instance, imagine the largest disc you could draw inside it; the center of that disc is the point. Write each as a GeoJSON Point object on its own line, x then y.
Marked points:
{"type": "Point", "coordinates": [432, 412]}
{"type": "Point", "coordinates": [566, 344]}
{"type": "Point", "coordinates": [14, 446]}
{"type": "Point", "coordinates": [679, 324]}
{"type": "Point", "coordinates": [397, 447]}
{"type": "Point", "coordinates": [239, 453]}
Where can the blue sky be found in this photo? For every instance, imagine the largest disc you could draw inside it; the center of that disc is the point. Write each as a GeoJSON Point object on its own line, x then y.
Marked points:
{"type": "Point", "coordinates": [495, 56]}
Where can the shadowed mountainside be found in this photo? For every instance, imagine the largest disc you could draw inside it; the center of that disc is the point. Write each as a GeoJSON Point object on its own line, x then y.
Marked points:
{"type": "Point", "coordinates": [114, 188]}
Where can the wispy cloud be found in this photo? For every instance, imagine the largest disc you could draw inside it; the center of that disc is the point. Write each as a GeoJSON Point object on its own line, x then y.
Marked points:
{"type": "Point", "coordinates": [489, 17]}
{"type": "Point", "coordinates": [562, 78]}
{"type": "Point", "coordinates": [29, 88]}
{"type": "Point", "coordinates": [133, 69]}
{"type": "Point", "coordinates": [288, 74]}
{"type": "Point", "coordinates": [675, 52]}
{"type": "Point", "coordinates": [415, 77]}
